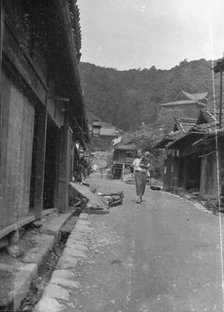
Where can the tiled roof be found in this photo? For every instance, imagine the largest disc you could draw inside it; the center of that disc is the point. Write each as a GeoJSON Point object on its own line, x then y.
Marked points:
{"type": "Point", "coordinates": [212, 118]}
{"type": "Point", "coordinates": [186, 98]}
{"type": "Point", "coordinates": [219, 132]}
{"type": "Point", "coordinates": [191, 121]}
{"type": "Point", "coordinates": [106, 128]}
{"type": "Point", "coordinates": [209, 137]}
{"type": "Point", "coordinates": [191, 134]}
{"type": "Point", "coordinates": [183, 102]}
{"type": "Point", "coordinates": [130, 147]}
{"type": "Point", "coordinates": [195, 96]}
{"type": "Point", "coordinates": [207, 115]}
{"type": "Point", "coordinates": [108, 131]}
{"type": "Point", "coordinates": [169, 138]}
{"type": "Point", "coordinates": [188, 127]}
{"type": "Point", "coordinates": [205, 128]}
{"type": "Point", "coordinates": [185, 124]}
{"type": "Point", "coordinates": [215, 114]}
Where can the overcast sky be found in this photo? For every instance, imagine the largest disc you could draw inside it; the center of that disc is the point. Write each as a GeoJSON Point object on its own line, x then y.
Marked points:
{"type": "Point", "coordinates": [127, 34]}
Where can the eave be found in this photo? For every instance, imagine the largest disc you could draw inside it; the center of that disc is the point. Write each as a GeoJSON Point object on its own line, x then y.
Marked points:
{"type": "Point", "coordinates": [180, 142]}
{"type": "Point", "coordinates": [64, 65]}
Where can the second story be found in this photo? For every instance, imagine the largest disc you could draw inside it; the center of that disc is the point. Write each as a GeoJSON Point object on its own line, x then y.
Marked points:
{"type": "Point", "coordinates": [41, 48]}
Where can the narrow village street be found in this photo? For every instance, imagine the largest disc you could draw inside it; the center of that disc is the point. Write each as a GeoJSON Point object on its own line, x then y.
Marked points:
{"type": "Point", "coordinates": [79, 123]}
{"type": "Point", "coordinates": [161, 255]}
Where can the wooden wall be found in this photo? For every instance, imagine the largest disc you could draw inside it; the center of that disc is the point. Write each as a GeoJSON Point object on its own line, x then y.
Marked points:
{"type": "Point", "coordinates": [169, 168]}
{"type": "Point", "coordinates": [64, 172]}
{"type": "Point", "coordinates": [209, 183]}
{"type": "Point", "coordinates": [221, 157]}
{"type": "Point", "coordinates": [28, 81]}
{"type": "Point", "coordinates": [123, 156]}
{"type": "Point", "coordinates": [18, 123]}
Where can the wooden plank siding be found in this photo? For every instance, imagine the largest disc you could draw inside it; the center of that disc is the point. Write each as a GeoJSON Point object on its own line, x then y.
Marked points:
{"type": "Point", "coordinates": [18, 122]}
{"type": "Point", "coordinates": [167, 183]}
{"type": "Point", "coordinates": [39, 160]}
{"type": "Point", "coordinates": [209, 178]}
{"type": "Point", "coordinates": [23, 64]}
{"type": "Point", "coordinates": [36, 77]}
{"type": "Point", "coordinates": [221, 157]}
{"type": "Point", "coordinates": [1, 118]}
{"type": "Point", "coordinates": [64, 171]}
{"type": "Point", "coordinates": [5, 96]}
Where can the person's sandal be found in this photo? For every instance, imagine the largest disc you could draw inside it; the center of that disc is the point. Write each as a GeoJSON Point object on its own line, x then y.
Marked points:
{"type": "Point", "coordinates": [138, 200]}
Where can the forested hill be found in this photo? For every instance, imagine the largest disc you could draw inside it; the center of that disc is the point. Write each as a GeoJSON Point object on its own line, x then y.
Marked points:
{"type": "Point", "coordinates": [128, 98]}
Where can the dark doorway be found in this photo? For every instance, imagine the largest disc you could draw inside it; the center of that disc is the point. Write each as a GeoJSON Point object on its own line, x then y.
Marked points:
{"type": "Point", "coordinates": [193, 172]}
{"type": "Point", "coordinates": [33, 168]}
{"type": "Point", "coordinates": [117, 171]}
{"type": "Point", "coordinates": [190, 172]}
{"type": "Point", "coordinates": [50, 174]}
{"type": "Point", "coordinates": [181, 172]}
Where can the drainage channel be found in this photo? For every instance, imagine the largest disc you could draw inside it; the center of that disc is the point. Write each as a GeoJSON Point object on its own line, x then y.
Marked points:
{"type": "Point", "coordinates": [44, 275]}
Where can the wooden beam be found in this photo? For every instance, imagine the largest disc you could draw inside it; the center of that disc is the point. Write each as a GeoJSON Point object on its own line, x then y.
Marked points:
{"type": "Point", "coordinates": [15, 226]}
{"type": "Point", "coordinates": [20, 223]}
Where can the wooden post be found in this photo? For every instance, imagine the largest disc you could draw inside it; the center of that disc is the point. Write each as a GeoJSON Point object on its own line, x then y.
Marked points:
{"type": "Point", "coordinates": [40, 161]}
{"type": "Point", "coordinates": [64, 171]}
{"type": "Point", "coordinates": [185, 171]}
{"type": "Point", "coordinates": [218, 68]}
{"type": "Point", "coordinates": [123, 170]}
{"type": "Point", "coordinates": [220, 106]}
{"type": "Point", "coordinates": [1, 47]}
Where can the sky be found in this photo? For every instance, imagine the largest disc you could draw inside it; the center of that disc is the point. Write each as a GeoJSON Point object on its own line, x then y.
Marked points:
{"type": "Point", "coordinates": [126, 34]}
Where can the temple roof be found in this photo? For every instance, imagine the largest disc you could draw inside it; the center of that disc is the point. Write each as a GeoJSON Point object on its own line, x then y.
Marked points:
{"type": "Point", "coordinates": [186, 98]}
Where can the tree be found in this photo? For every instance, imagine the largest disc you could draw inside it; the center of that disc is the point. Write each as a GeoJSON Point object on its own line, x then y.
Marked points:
{"type": "Point", "coordinates": [127, 98]}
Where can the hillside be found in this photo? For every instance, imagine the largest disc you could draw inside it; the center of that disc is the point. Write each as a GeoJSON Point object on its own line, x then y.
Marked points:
{"type": "Point", "coordinates": [128, 98]}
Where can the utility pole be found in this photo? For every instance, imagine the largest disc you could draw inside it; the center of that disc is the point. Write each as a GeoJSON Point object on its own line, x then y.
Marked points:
{"type": "Point", "coordinates": [219, 68]}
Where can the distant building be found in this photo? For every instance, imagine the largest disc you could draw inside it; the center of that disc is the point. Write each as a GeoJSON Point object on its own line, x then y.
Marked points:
{"type": "Point", "coordinates": [123, 157]}
{"type": "Point", "coordinates": [102, 135]}
{"type": "Point", "coordinates": [187, 105]}
{"type": "Point", "coordinates": [126, 149]}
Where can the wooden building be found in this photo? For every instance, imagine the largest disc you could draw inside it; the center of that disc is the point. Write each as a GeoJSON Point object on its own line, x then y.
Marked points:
{"type": "Point", "coordinates": [172, 156]}
{"type": "Point", "coordinates": [185, 164]}
{"type": "Point", "coordinates": [187, 105]}
{"type": "Point", "coordinates": [211, 153]}
{"type": "Point", "coordinates": [126, 149]}
{"type": "Point", "coordinates": [102, 135]}
{"type": "Point", "coordinates": [123, 157]}
{"type": "Point", "coordinates": [42, 110]}
{"type": "Point", "coordinates": [191, 162]}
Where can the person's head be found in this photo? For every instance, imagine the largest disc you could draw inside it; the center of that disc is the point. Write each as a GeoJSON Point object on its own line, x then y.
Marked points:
{"type": "Point", "coordinates": [147, 154]}
{"type": "Point", "coordinates": [139, 153]}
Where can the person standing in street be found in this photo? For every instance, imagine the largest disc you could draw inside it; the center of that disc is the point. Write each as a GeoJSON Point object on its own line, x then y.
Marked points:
{"type": "Point", "coordinates": [138, 176]}
{"type": "Point", "coordinates": [145, 165]}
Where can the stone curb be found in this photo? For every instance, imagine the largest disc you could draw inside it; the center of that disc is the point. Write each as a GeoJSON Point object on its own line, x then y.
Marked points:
{"type": "Point", "coordinates": [35, 258]}
{"type": "Point", "coordinates": [56, 296]}
{"type": "Point", "coordinates": [196, 205]}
